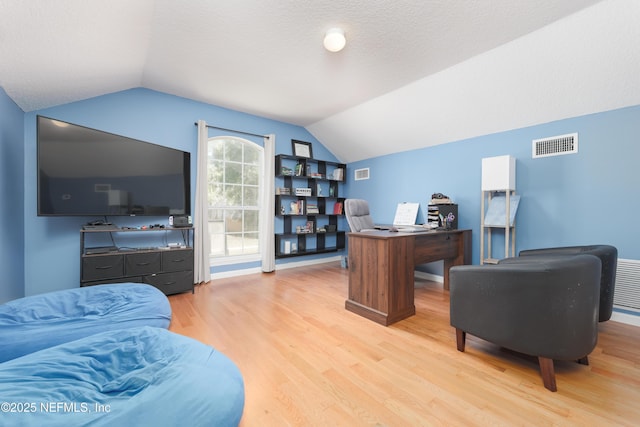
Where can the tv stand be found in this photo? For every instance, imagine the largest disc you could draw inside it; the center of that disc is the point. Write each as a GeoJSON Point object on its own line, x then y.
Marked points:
{"type": "Point", "coordinates": [106, 227]}
{"type": "Point", "coordinates": [169, 268]}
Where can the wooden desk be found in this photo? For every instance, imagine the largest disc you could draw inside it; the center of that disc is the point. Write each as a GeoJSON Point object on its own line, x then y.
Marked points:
{"type": "Point", "coordinates": [382, 264]}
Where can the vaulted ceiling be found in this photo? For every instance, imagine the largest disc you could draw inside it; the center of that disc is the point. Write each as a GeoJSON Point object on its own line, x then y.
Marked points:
{"type": "Point", "coordinates": [414, 73]}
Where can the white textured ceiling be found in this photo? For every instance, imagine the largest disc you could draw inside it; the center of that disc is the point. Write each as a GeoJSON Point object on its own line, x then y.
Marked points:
{"type": "Point", "coordinates": [414, 73]}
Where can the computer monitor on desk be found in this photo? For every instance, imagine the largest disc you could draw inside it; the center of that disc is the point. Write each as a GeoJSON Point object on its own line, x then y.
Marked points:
{"type": "Point", "coordinates": [405, 219]}
{"type": "Point", "coordinates": [359, 217]}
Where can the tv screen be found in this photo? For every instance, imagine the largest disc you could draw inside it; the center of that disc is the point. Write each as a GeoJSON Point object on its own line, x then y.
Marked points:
{"type": "Point", "coordinates": [83, 171]}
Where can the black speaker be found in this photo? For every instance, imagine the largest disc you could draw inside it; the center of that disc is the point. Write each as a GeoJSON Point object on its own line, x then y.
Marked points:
{"type": "Point", "coordinates": [180, 221]}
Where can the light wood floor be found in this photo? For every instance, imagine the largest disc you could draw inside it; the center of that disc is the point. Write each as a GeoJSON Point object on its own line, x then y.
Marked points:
{"type": "Point", "coordinates": [306, 361]}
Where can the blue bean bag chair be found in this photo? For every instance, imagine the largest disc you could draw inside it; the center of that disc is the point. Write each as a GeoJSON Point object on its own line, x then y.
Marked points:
{"type": "Point", "coordinates": [132, 377]}
{"type": "Point", "coordinates": [33, 323]}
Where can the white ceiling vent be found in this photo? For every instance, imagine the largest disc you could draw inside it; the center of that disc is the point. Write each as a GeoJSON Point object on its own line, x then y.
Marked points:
{"type": "Point", "coordinates": [555, 145]}
{"type": "Point", "coordinates": [360, 174]}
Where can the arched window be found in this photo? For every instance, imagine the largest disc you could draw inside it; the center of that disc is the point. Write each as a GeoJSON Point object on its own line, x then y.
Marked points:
{"type": "Point", "coordinates": [234, 177]}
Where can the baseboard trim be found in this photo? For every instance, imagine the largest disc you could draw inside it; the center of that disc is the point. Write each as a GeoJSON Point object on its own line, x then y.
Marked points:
{"type": "Point", "coordinates": [304, 263]}
{"type": "Point", "coordinates": [428, 276]}
{"type": "Point", "coordinates": [255, 270]}
{"type": "Point", "coordinates": [625, 318]}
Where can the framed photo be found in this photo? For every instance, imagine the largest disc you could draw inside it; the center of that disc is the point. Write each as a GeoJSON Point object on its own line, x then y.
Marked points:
{"type": "Point", "coordinates": [309, 227]}
{"type": "Point", "coordinates": [302, 149]}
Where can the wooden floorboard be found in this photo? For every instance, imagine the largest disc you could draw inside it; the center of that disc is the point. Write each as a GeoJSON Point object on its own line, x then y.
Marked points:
{"type": "Point", "coordinates": [306, 361]}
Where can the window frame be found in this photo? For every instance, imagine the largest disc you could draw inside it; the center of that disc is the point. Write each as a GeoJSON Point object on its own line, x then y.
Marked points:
{"type": "Point", "coordinates": [221, 260]}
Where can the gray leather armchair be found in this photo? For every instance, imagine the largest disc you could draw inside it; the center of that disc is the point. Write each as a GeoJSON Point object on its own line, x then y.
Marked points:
{"type": "Point", "coordinates": [547, 309]}
{"type": "Point", "coordinates": [358, 216]}
{"type": "Point", "coordinates": [608, 258]}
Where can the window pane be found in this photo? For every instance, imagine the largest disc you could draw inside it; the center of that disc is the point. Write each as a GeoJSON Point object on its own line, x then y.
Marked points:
{"type": "Point", "coordinates": [234, 150]}
{"type": "Point", "coordinates": [233, 195]}
{"type": "Point", "coordinates": [215, 171]}
{"type": "Point", "coordinates": [233, 173]}
{"type": "Point", "coordinates": [251, 243]}
{"type": "Point", "coordinates": [216, 215]}
{"type": "Point", "coordinates": [252, 155]}
{"type": "Point", "coordinates": [251, 175]}
{"type": "Point", "coordinates": [217, 242]}
{"type": "Point", "coordinates": [251, 221]}
{"type": "Point", "coordinates": [251, 197]}
{"type": "Point", "coordinates": [234, 244]}
{"type": "Point", "coordinates": [216, 195]}
{"type": "Point", "coordinates": [233, 221]}
{"type": "Point", "coordinates": [216, 148]}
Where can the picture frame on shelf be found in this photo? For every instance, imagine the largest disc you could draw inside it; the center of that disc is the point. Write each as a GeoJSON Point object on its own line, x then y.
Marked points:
{"type": "Point", "coordinates": [309, 227]}
{"type": "Point", "coordinates": [302, 149]}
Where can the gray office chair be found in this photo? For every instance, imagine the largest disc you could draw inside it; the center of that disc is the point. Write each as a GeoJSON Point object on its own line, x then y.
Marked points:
{"type": "Point", "coordinates": [357, 213]}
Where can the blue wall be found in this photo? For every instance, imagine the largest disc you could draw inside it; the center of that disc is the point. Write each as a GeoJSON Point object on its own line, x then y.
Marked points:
{"type": "Point", "coordinates": [590, 197]}
{"type": "Point", "coordinates": [11, 194]}
{"type": "Point", "coordinates": [52, 243]}
{"type": "Point", "coordinates": [586, 198]}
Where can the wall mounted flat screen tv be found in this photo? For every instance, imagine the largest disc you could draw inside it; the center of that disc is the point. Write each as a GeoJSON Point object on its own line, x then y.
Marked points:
{"type": "Point", "coordinates": [87, 172]}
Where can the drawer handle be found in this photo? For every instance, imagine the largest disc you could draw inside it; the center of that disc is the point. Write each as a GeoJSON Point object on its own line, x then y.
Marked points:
{"type": "Point", "coordinates": [169, 283]}
{"type": "Point", "coordinates": [105, 267]}
{"type": "Point", "coordinates": [143, 263]}
{"type": "Point", "coordinates": [177, 260]}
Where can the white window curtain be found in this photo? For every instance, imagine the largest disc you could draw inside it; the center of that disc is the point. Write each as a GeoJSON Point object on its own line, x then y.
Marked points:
{"type": "Point", "coordinates": [267, 214]}
{"type": "Point", "coordinates": [202, 243]}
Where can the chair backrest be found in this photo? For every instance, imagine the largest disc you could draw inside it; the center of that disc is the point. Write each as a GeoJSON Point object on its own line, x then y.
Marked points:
{"type": "Point", "coordinates": [357, 213]}
{"type": "Point", "coordinates": [608, 257]}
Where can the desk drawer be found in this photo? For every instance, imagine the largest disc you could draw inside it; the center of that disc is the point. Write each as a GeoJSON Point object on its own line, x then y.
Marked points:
{"type": "Point", "coordinates": [436, 246]}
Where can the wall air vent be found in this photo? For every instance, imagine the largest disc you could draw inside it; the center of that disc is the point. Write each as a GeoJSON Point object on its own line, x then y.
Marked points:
{"type": "Point", "coordinates": [627, 292]}
{"type": "Point", "coordinates": [555, 145]}
{"type": "Point", "coordinates": [360, 174]}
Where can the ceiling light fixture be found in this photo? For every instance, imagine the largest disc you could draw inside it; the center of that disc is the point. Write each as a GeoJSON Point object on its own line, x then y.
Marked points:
{"type": "Point", "coordinates": [334, 40]}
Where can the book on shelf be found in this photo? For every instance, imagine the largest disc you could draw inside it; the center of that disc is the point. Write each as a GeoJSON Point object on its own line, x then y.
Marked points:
{"type": "Point", "coordinates": [296, 207]}
{"type": "Point", "coordinates": [338, 174]}
{"type": "Point", "coordinates": [299, 171]}
{"type": "Point", "coordinates": [337, 208]}
{"type": "Point", "coordinates": [303, 191]}
{"type": "Point", "coordinates": [283, 191]}
{"type": "Point", "coordinates": [312, 208]}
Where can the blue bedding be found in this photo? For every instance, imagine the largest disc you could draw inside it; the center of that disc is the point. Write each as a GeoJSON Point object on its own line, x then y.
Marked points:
{"type": "Point", "coordinates": [41, 321]}
{"type": "Point", "coordinates": [134, 377]}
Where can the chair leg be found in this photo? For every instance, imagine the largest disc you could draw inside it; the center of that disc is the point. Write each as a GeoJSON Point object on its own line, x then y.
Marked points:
{"type": "Point", "coordinates": [548, 373]}
{"type": "Point", "coordinates": [460, 339]}
{"type": "Point", "coordinates": [584, 361]}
